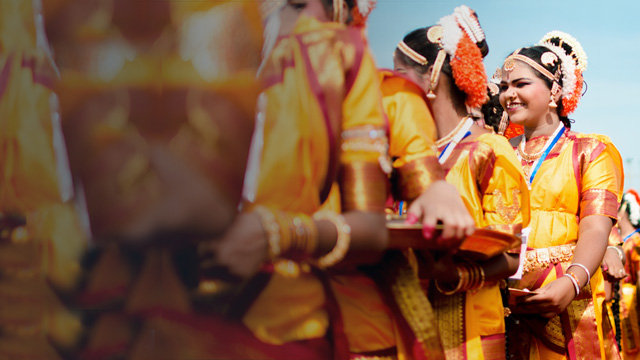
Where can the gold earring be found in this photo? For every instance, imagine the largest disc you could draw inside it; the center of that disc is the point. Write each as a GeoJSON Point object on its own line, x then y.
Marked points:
{"type": "Point", "coordinates": [554, 90]}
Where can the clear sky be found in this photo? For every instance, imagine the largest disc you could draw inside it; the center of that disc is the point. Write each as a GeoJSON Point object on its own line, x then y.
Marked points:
{"type": "Point", "coordinates": [609, 32]}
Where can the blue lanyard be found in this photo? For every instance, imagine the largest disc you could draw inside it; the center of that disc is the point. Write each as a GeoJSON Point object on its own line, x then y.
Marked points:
{"type": "Point", "coordinates": [628, 236]}
{"type": "Point", "coordinates": [544, 155]}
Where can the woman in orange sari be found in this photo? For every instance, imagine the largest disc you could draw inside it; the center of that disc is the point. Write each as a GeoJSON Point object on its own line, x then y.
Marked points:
{"type": "Point", "coordinates": [483, 168]}
{"type": "Point", "coordinates": [576, 182]}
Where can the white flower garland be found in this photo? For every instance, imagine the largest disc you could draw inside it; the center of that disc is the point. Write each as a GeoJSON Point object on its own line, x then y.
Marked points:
{"type": "Point", "coordinates": [578, 51]}
{"type": "Point", "coordinates": [634, 208]}
{"type": "Point", "coordinates": [569, 64]}
{"type": "Point", "coordinates": [568, 68]}
{"type": "Point", "coordinates": [451, 34]}
{"type": "Point", "coordinates": [469, 23]}
{"type": "Point", "coordinates": [365, 6]}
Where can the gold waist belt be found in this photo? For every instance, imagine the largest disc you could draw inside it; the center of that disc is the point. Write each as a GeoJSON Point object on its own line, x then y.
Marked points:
{"type": "Point", "coordinates": [541, 258]}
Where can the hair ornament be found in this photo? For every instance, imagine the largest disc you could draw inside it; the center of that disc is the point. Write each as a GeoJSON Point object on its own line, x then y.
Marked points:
{"type": "Point", "coordinates": [497, 76]}
{"type": "Point", "coordinates": [465, 57]}
{"type": "Point", "coordinates": [572, 66]}
{"type": "Point", "coordinates": [577, 53]}
{"type": "Point", "coordinates": [362, 11]}
{"type": "Point", "coordinates": [434, 34]}
{"type": "Point", "coordinates": [632, 200]}
{"type": "Point", "coordinates": [451, 35]}
{"type": "Point", "coordinates": [549, 58]}
{"type": "Point", "coordinates": [338, 11]}
{"type": "Point", "coordinates": [412, 54]}
{"type": "Point", "coordinates": [468, 21]}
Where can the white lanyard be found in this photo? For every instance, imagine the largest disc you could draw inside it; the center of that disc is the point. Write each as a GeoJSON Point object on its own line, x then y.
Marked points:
{"type": "Point", "coordinates": [461, 134]}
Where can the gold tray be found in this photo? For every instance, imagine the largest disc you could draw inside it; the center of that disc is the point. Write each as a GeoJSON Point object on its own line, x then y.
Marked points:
{"type": "Point", "coordinates": [481, 245]}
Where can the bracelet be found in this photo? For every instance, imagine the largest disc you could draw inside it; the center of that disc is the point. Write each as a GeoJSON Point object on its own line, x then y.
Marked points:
{"type": "Point", "coordinates": [573, 281]}
{"type": "Point", "coordinates": [342, 242]}
{"type": "Point", "coordinates": [272, 230]}
{"type": "Point", "coordinates": [480, 284]}
{"type": "Point", "coordinates": [575, 277]}
{"type": "Point", "coordinates": [620, 253]}
{"type": "Point", "coordinates": [463, 276]}
{"type": "Point", "coordinates": [583, 268]}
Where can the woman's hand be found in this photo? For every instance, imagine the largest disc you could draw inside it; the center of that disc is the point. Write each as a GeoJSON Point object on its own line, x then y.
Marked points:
{"type": "Point", "coordinates": [242, 250]}
{"type": "Point", "coordinates": [442, 202]}
{"type": "Point", "coordinates": [549, 301]}
{"type": "Point", "coordinates": [612, 266]}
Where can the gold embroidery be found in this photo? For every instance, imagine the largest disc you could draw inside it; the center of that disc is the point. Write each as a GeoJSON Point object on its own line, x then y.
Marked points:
{"type": "Point", "coordinates": [450, 318]}
{"type": "Point", "coordinates": [363, 186]}
{"type": "Point", "coordinates": [541, 258]}
{"type": "Point", "coordinates": [417, 311]}
{"type": "Point", "coordinates": [507, 213]}
{"type": "Point", "coordinates": [413, 178]}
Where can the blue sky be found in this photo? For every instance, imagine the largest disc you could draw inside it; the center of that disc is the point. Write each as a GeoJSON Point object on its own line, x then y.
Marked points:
{"type": "Point", "coordinates": [608, 31]}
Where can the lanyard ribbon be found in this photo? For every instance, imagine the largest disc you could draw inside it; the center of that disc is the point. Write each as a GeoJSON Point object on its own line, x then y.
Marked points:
{"type": "Point", "coordinates": [628, 236]}
{"type": "Point", "coordinates": [553, 140]}
{"type": "Point", "coordinates": [461, 134]}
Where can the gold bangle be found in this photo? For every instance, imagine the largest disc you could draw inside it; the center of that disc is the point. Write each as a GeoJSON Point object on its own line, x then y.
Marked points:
{"type": "Point", "coordinates": [342, 242]}
{"type": "Point", "coordinates": [463, 276]}
{"type": "Point", "coordinates": [310, 229]}
{"type": "Point", "coordinates": [272, 230]}
{"type": "Point", "coordinates": [479, 283]}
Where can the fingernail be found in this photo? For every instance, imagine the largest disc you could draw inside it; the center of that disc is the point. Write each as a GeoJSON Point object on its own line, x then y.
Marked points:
{"type": "Point", "coordinates": [605, 267]}
{"type": "Point", "coordinates": [428, 231]}
{"type": "Point", "coordinates": [411, 219]}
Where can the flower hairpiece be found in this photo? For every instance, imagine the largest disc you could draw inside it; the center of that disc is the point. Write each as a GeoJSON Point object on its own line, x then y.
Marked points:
{"type": "Point", "coordinates": [633, 202]}
{"type": "Point", "coordinates": [460, 33]}
{"type": "Point", "coordinates": [572, 66]}
{"type": "Point", "coordinates": [361, 11]}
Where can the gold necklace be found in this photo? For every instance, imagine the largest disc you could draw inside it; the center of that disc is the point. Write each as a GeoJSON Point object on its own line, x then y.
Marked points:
{"type": "Point", "coordinates": [447, 138]}
{"type": "Point", "coordinates": [524, 155]}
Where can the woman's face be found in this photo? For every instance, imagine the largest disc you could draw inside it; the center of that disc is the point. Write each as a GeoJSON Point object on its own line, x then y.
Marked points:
{"type": "Point", "coordinates": [294, 8]}
{"type": "Point", "coordinates": [411, 73]}
{"type": "Point", "coordinates": [524, 96]}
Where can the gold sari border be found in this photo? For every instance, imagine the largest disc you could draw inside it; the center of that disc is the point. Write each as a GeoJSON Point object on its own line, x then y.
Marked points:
{"type": "Point", "coordinates": [363, 186]}
{"type": "Point", "coordinates": [413, 178]}
{"type": "Point", "coordinates": [598, 202]}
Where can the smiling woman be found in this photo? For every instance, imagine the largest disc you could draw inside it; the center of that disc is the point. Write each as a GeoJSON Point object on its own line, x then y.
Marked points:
{"type": "Point", "coordinates": [576, 182]}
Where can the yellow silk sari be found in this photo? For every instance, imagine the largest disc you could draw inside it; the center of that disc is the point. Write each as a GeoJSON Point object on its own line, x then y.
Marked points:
{"type": "Point", "coordinates": [386, 314]}
{"type": "Point", "coordinates": [322, 104]}
{"type": "Point", "coordinates": [488, 176]}
{"type": "Point", "coordinates": [41, 240]}
{"type": "Point", "coordinates": [132, 75]}
{"type": "Point", "coordinates": [582, 176]}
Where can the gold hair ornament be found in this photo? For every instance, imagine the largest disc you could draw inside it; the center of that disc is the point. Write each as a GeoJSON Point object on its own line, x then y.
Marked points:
{"type": "Point", "coordinates": [412, 54]}
{"type": "Point", "coordinates": [435, 73]}
{"type": "Point", "coordinates": [338, 9]}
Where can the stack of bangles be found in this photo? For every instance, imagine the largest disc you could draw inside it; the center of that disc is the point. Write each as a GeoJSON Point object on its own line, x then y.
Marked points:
{"type": "Point", "coordinates": [574, 278]}
{"type": "Point", "coordinates": [295, 236]}
{"type": "Point", "coordinates": [470, 278]}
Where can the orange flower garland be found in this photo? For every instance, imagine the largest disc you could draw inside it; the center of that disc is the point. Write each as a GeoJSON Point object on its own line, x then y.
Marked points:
{"type": "Point", "coordinates": [468, 71]}
{"type": "Point", "coordinates": [569, 105]}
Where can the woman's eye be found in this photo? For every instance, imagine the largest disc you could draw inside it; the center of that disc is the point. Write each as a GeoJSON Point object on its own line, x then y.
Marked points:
{"type": "Point", "coordinates": [298, 6]}
{"type": "Point", "coordinates": [503, 88]}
